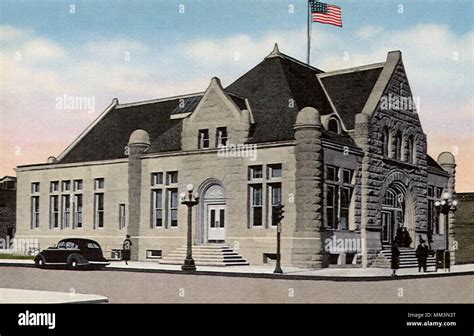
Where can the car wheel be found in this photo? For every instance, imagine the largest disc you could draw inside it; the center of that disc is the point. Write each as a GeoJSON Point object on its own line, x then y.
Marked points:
{"type": "Point", "coordinates": [73, 263]}
{"type": "Point", "coordinates": [39, 261]}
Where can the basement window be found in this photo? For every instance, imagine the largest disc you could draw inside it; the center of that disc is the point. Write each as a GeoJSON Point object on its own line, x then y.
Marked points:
{"type": "Point", "coordinates": [154, 254]}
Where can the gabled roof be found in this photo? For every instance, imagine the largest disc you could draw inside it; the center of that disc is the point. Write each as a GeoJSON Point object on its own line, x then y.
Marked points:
{"type": "Point", "coordinates": [434, 166]}
{"type": "Point", "coordinates": [348, 90]}
{"type": "Point", "coordinates": [277, 89]}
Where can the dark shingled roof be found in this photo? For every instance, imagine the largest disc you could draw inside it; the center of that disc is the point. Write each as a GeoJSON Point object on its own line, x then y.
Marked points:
{"type": "Point", "coordinates": [107, 140]}
{"type": "Point", "coordinates": [349, 92]}
{"type": "Point", "coordinates": [277, 89]}
{"type": "Point", "coordinates": [431, 163]}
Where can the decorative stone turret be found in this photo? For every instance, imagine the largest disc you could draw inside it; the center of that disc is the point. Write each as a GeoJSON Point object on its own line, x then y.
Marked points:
{"type": "Point", "coordinates": [448, 163]}
{"type": "Point", "coordinates": [138, 144]}
{"type": "Point", "coordinates": [308, 249]}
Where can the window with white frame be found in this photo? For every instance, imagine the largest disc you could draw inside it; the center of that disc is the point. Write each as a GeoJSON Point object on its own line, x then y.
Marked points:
{"type": "Point", "coordinates": [203, 139]}
{"type": "Point", "coordinates": [171, 178]}
{"type": "Point", "coordinates": [122, 216]}
{"type": "Point", "coordinates": [65, 186]}
{"type": "Point", "coordinates": [78, 185]}
{"type": "Point", "coordinates": [334, 126]}
{"type": "Point", "coordinates": [157, 201]}
{"type": "Point", "coordinates": [256, 205]}
{"type": "Point", "coordinates": [274, 171]}
{"type": "Point", "coordinates": [54, 186]}
{"type": "Point", "coordinates": [339, 188]}
{"type": "Point", "coordinates": [35, 212]}
{"type": "Point", "coordinates": [98, 210]}
{"type": "Point", "coordinates": [65, 211]}
{"type": "Point", "coordinates": [221, 137]}
{"type": "Point", "coordinates": [156, 179]}
{"type": "Point", "coordinates": [54, 212]}
{"type": "Point", "coordinates": [35, 187]}
{"type": "Point", "coordinates": [173, 207]}
{"type": "Point", "coordinates": [99, 184]}
{"type": "Point", "coordinates": [78, 211]}
{"type": "Point", "coordinates": [255, 172]}
{"type": "Point", "coordinates": [274, 200]}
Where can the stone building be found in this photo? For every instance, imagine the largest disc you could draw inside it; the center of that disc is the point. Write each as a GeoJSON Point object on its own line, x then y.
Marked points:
{"type": "Point", "coordinates": [7, 206]}
{"type": "Point", "coordinates": [343, 151]}
{"type": "Point", "coordinates": [465, 228]}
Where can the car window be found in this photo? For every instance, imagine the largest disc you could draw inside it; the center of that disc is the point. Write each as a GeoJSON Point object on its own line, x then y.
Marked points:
{"type": "Point", "coordinates": [93, 246]}
{"type": "Point", "coordinates": [71, 246]}
{"type": "Point", "coordinates": [61, 245]}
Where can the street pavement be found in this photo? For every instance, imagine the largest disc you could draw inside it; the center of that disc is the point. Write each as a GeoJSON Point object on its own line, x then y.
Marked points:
{"type": "Point", "coordinates": [175, 287]}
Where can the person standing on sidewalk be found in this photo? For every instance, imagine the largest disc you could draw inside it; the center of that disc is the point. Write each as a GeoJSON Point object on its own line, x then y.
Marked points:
{"type": "Point", "coordinates": [422, 255]}
{"type": "Point", "coordinates": [395, 257]}
{"type": "Point", "coordinates": [126, 248]}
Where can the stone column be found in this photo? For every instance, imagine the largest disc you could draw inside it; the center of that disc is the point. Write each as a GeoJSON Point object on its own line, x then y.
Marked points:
{"type": "Point", "coordinates": [139, 142]}
{"type": "Point", "coordinates": [448, 163]}
{"type": "Point", "coordinates": [308, 246]}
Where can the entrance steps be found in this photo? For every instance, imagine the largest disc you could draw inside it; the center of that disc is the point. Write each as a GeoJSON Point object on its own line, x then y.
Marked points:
{"type": "Point", "coordinates": [206, 255]}
{"type": "Point", "coordinates": [407, 259]}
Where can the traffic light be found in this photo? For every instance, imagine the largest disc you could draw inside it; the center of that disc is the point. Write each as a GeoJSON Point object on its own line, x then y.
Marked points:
{"type": "Point", "coordinates": [277, 215]}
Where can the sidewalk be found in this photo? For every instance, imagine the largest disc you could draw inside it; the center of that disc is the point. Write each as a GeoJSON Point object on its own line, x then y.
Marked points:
{"type": "Point", "coordinates": [20, 296]}
{"type": "Point", "coordinates": [267, 271]}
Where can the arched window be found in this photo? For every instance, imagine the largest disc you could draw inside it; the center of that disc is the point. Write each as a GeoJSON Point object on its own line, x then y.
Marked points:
{"type": "Point", "coordinates": [385, 142]}
{"type": "Point", "coordinates": [398, 145]}
{"type": "Point", "coordinates": [333, 126]}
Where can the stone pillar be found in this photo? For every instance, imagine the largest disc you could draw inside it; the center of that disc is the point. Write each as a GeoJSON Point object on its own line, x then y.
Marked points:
{"type": "Point", "coordinates": [308, 246]}
{"type": "Point", "coordinates": [139, 142]}
{"type": "Point", "coordinates": [448, 163]}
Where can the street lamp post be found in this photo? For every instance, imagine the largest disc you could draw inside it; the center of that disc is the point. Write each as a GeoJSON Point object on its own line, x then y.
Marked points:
{"type": "Point", "coordinates": [444, 206]}
{"type": "Point", "coordinates": [189, 200]}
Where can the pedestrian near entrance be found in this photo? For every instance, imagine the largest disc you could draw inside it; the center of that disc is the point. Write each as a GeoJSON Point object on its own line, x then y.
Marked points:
{"type": "Point", "coordinates": [422, 255]}
{"type": "Point", "coordinates": [126, 247]}
{"type": "Point", "coordinates": [395, 257]}
{"type": "Point", "coordinates": [406, 239]}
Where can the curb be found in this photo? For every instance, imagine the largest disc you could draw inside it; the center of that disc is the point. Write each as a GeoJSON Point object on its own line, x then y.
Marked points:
{"type": "Point", "coordinates": [268, 275]}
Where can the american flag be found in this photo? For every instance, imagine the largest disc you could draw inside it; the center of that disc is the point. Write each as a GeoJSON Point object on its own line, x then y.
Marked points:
{"type": "Point", "coordinates": [325, 13]}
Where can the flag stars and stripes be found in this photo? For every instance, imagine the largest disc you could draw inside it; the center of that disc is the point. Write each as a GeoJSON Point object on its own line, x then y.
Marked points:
{"type": "Point", "coordinates": [326, 14]}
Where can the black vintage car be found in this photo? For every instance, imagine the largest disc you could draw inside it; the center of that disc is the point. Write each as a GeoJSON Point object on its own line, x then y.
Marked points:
{"type": "Point", "coordinates": [73, 253]}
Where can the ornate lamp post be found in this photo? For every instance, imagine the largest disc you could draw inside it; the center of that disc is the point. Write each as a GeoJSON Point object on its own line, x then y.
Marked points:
{"type": "Point", "coordinates": [189, 200]}
{"type": "Point", "coordinates": [444, 206]}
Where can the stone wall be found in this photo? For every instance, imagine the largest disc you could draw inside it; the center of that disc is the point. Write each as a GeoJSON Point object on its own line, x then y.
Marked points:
{"type": "Point", "coordinates": [7, 212]}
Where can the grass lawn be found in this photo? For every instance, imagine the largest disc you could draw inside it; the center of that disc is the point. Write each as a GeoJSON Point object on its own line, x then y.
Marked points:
{"type": "Point", "coordinates": [15, 256]}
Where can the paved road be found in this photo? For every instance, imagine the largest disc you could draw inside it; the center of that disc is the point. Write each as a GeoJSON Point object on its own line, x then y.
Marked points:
{"type": "Point", "coordinates": [132, 287]}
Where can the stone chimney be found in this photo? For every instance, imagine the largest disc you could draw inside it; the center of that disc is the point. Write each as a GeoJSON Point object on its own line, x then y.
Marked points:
{"type": "Point", "coordinates": [308, 250]}
{"type": "Point", "coordinates": [137, 145]}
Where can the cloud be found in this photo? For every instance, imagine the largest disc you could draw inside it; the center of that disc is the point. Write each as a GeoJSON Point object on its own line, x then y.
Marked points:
{"type": "Point", "coordinates": [39, 49]}
{"type": "Point", "coordinates": [9, 33]}
{"type": "Point", "coordinates": [118, 48]}
{"type": "Point", "coordinates": [368, 32]}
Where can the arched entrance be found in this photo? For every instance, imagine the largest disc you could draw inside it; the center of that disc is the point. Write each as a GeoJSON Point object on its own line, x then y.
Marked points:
{"type": "Point", "coordinates": [398, 209]}
{"type": "Point", "coordinates": [212, 217]}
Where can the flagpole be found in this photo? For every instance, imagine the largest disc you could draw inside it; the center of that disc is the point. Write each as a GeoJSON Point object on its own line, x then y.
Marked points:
{"type": "Point", "coordinates": [309, 32]}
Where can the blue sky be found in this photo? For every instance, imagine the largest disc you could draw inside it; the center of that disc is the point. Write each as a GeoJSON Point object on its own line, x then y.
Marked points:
{"type": "Point", "coordinates": [47, 52]}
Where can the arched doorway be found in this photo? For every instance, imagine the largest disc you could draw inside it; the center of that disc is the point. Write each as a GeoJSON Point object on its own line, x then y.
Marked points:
{"type": "Point", "coordinates": [212, 213]}
{"type": "Point", "coordinates": [398, 212]}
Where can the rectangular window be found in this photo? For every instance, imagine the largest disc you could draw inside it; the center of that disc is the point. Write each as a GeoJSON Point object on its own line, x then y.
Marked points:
{"type": "Point", "coordinates": [172, 178]}
{"type": "Point", "coordinates": [65, 211]}
{"type": "Point", "coordinates": [157, 196]}
{"type": "Point", "coordinates": [331, 206]}
{"type": "Point", "coordinates": [203, 140]}
{"type": "Point", "coordinates": [431, 191]}
{"type": "Point", "coordinates": [77, 185]}
{"type": "Point", "coordinates": [54, 212]}
{"type": "Point", "coordinates": [346, 194]}
{"type": "Point", "coordinates": [255, 172]}
{"type": "Point", "coordinates": [332, 174]}
{"type": "Point", "coordinates": [173, 207]}
{"type": "Point", "coordinates": [35, 212]}
{"type": "Point", "coordinates": [156, 179]}
{"type": "Point", "coordinates": [98, 210]}
{"type": "Point", "coordinates": [256, 205]}
{"type": "Point", "coordinates": [121, 216]}
{"type": "Point", "coordinates": [54, 186]}
{"type": "Point", "coordinates": [274, 171]}
{"type": "Point", "coordinates": [99, 184]}
{"type": "Point", "coordinates": [66, 186]}
{"type": "Point", "coordinates": [221, 137]}
{"type": "Point", "coordinates": [274, 200]}
{"type": "Point", "coordinates": [77, 221]}
{"type": "Point", "coordinates": [439, 192]}
{"type": "Point", "coordinates": [35, 187]}
{"type": "Point", "coordinates": [347, 176]}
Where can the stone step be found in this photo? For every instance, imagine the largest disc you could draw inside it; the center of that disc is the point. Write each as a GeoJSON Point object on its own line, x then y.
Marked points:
{"type": "Point", "coordinates": [206, 255]}
{"type": "Point", "coordinates": [407, 259]}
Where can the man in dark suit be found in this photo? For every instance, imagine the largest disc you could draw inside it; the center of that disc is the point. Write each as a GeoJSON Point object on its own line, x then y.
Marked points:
{"type": "Point", "coordinates": [395, 257]}
{"type": "Point", "coordinates": [127, 246]}
{"type": "Point", "coordinates": [422, 253]}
